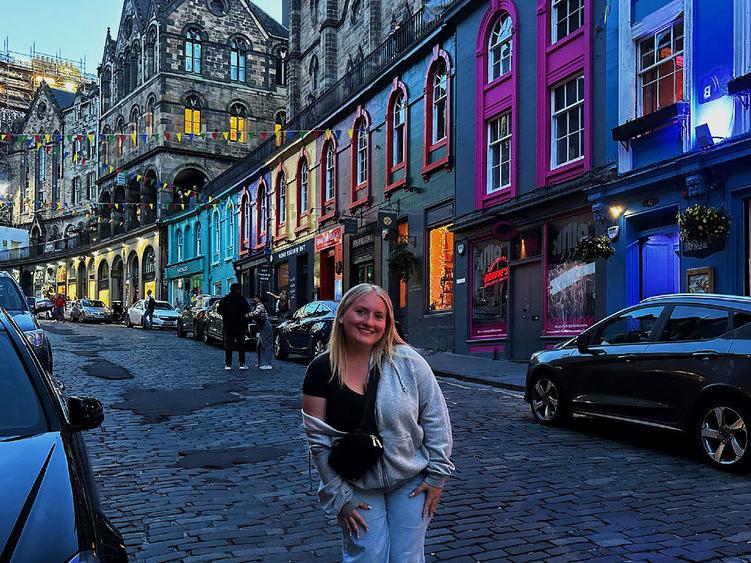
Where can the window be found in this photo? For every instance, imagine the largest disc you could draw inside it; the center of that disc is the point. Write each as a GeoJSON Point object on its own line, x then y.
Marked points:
{"type": "Point", "coordinates": [76, 150]}
{"type": "Point", "coordinates": [238, 123]}
{"type": "Point", "coordinates": [238, 57]}
{"type": "Point", "coordinates": [193, 115]}
{"type": "Point", "coordinates": [694, 323]}
{"type": "Point", "coordinates": [570, 282]}
{"type": "Point", "coordinates": [628, 328]}
{"type": "Point", "coordinates": [281, 67]}
{"type": "Point", "coordinates": [439, 104]}
{"type": "Point", "coordinates": [568, 16]}
{"type": "Point", "coordinates": [440, 269]}
{"type": "Point", "coordinates": [151, 54]}
{"type": "Point", "coordinates": [217, 288]}
{"type": "Point", "coordinates": [230, 230]}
{"type": "Point", "coordinates": [199, 242]}
{"type": "Point", "coordinates": [402, 231]}
{"type": "Point", "coordinates": [398, 121]}
{"type": "Point", "coordinates": [91, 185]}
{"type": "Point", "coordinates": [134, 118]}
{"type": "Point", "coordinates": [661, 68]}
{"type": "Point", "coordinates": [313, 73]}
{"type": "Point", "coordinates": [490, 280]}
{"type": "Point", "coordinates": [106, 89]}
{"type": "Point", "coordinates": [42, 163]}
{"type": "Point", "coordinates": [193, 50]}
{"type": "Point", "coordinates": [217, 236]}
{"type": "Point", "coordinates": [281, 200]}
{"type": "Point", "coordinates": [75, 191]}
{"type": "Point", "coordinates": [568, 122]}
{"type": "Point", "coordinates": [499, 48]}
{"type": "Point", "coordinates": [330, 173]}
{"type": "Point", "coordinates": [262, 214]}
{"type": "Point", "coordinates": [150, 117]}
{"type": "Point", "coordinates": [120, 137]}
{"type": "Point", "coordinates": [179, 239]}
{"type": "Point", "coordinates": [499, 153]}
{"type": "Point", "coordinates": [244, 222]}
{"type": "Point", "coordinates": [356, 12]}
{"type": "Point", "coordinates": [314, 11]}
{"type": "Point", "coordinates": [362, 157]}
{"type": "Point", "coordinates": [302, 189]}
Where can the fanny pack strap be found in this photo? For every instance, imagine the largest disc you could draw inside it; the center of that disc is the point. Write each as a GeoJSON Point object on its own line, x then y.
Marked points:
{"type": "Point", "coordinates": [368, 422]}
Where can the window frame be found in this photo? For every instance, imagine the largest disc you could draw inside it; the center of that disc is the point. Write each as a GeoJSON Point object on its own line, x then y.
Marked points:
{"type": "Point", "coordinates": [179, 245]}
{"type": "Point", "coordinates": [303, 183]}
{"type": "Point", "coordinates": [280, 198]}
{"type": "Point", "coordinates": [192, 115]}
{"type": "Point", "coordinates": [193, 42]}
{"type": "Point", "coordinates": [440, 59]}
{"type": "Point", "coordinates": [328, 149]}
{"type": "Point", "coordinates": [499, 45]}
{"type": "Point", "coordinates": [216, 253]}
{"type": "Point", "coordinates": [358, 151]}
{"type": "Point", "coordinates": [394, 132]}
{"type": "Point", "coordinates": [427, 269]}
{"type": "Point", "coordinates": [199, 241]}
{"type": "Point", "coordinates": [238, 60]}
{"type": "Point", "coordinates": [245, 222]}
{"type": "Point", "coordinates": [576, 106]}
{"type": "Point", "coordinates": [655, 66]}
{"type": "Point", "coordinates": [554, 6]}
{"type": "Point", "coordinates": [238, 123]}
{"type": "Point", "coordinates": [261, 214]}
{"type": "Point", "coordinates": [230, 230]}
{"type": "Point", "coordinates": [490, 145]}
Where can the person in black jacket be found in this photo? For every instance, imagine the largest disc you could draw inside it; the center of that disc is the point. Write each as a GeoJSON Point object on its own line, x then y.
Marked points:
{"type": "Point", "coordinates": [234, 310]}
{"type": "Point", "coordinates": [149, 305]}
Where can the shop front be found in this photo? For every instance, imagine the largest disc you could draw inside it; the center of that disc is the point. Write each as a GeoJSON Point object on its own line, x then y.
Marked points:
{"type": "Point", "coordinates": [329, 251]}
{"type": "Point", "coordinates": [292, 287]}
{"type": "Point", "coordinates": [185, 280]}
{"type": "Point", "coordinates": [362, 258]}
{"type": "Point", "coordinates": [255, 274]}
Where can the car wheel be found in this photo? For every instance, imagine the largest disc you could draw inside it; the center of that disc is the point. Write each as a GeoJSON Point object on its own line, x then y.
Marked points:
{"type": "Point", "coordinates": [547, 400]}
{"type": "Point", "coordinates": [280, 350]}
{"type": "Point", "coordinates": [319, 347]}
{"type": "Point", "coordinates": [722, 433]}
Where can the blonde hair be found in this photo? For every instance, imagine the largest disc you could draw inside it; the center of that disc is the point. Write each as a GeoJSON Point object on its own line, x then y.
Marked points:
{"type": "Point", "coordinates": [382, 350]}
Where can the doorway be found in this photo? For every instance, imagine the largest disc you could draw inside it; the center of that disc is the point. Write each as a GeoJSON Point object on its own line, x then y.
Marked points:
{"type": "Point", "coordinates": [653, 266]}
{"type": "Point", "coordinates": [526, 326]}
{"type": "Point", "coordinates": [328, 264]}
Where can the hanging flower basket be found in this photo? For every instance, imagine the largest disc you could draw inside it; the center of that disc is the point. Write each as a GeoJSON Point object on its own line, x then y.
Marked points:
{"type": "Point", "coordinates": [702, 224]}
{"type": "Point", "coordinates": [592, 248]}
{"type": "Point", "coordinates": [402, 262]}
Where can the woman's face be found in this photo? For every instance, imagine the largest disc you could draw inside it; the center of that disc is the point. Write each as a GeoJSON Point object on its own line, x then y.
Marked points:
{"type": "Point", "coordinates": [365, 322]}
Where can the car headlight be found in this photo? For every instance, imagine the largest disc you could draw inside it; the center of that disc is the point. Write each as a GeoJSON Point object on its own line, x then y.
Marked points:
{"type": "Point", "coordinates": [35, 337]}
{"type": "Point", "coordinates": [85, 557]}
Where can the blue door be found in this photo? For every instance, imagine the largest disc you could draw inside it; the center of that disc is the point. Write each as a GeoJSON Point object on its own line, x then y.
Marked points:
{"type": "Point", "coordinates": [660, 267]}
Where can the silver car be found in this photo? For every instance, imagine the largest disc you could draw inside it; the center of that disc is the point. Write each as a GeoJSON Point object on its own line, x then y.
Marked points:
{"type": "Point", "coordinates": [165, 315]}
{"type": "Point", "coordinates": [89, 310]}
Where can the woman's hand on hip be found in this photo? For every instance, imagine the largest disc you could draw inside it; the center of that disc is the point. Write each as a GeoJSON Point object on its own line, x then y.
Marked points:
{"type": "Point", "coordinates": [432, 496]}
{"type": "Point", "coordinates": [351, 521]}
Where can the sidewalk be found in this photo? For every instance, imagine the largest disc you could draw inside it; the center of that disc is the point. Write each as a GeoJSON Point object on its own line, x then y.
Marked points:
{"type": "Point", "coordinates": [498, 373]}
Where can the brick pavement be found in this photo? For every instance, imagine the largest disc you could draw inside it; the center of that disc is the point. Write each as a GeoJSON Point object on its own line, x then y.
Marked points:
{"type": "Point", "coordinates": [219, 471]}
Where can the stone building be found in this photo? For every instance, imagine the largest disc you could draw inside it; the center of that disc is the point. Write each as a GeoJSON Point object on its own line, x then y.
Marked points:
{"type": "Point", "coordinates": [329, 37]}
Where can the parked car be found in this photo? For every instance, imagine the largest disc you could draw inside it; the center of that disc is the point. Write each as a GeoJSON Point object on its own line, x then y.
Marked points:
{"type": "Point", "coordinates": [50, 509]}
{"type": "Point", "coordinates": [68, 309]}
{"type": "Point", "coordinates": [212, 327]}
{"type": "Point", "coordinates": [681, 362]}
{"type": "Point", "coordinates": [307, 332]}
{"type": "Point", "coordinates": [44, 306]}
{"type": "Point", "coordinates": [165, 315]}
{"type": "Point", "coordinates": [90, 310]}
{"type": "Point", "coordinates": [24, 311]}
{"type": "Point", "coordinates": [193, 316]}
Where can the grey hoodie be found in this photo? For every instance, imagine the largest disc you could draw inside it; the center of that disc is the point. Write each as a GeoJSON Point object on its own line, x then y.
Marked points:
{"type": "Point", "coordinates": [413, 422]}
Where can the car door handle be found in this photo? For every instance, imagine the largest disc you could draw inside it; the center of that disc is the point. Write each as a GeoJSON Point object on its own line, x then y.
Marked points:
{"type": "Point", "coordinates": [705, 354]}
{"type": "Point", "coordinates": [628, 358]}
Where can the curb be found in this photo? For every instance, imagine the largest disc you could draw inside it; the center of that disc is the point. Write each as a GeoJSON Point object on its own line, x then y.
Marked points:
{"type": "Point", "coordinates": [473, 379]}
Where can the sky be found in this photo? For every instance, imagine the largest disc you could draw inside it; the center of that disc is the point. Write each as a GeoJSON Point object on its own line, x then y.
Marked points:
{"type": "Point", "coordinates": [74, 29]}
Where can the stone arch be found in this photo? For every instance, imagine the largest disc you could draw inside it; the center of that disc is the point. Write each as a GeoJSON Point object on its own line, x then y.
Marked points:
{"type": "Point", "coordinates": [149, 196]}
{"type": "Point", "coordinates": [189, 183]}
{"type": "Point", "coordinates": [81, 285]}
{"type": "Point", "coordinates": [148, 269]}
{"type": "Point", "coordinates": [103, 281]}
{"type": "Point", "coordinates": [132, 279]}
{"type": "Point", "coordinates": [116, 278]}
{"type": "Point", "coordinates": [55, 237]}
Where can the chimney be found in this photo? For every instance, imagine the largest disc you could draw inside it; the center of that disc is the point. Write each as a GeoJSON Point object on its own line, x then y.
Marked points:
{"type": "Point", "coordinates": [285, 13]}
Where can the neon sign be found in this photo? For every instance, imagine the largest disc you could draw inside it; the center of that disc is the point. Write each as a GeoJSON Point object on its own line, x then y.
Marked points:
{"type": "Point", "coordinates": [496, 272]}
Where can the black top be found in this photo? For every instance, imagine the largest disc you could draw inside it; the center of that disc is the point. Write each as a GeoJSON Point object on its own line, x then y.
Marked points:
{"type": "Point", "coordinates": [343, 406]}
{"type": "Point", "coordinates": [233, 308]}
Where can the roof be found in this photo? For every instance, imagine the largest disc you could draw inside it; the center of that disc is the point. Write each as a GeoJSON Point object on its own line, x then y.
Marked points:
{"type": "Point", "coordinates": [269, 24]}
{"type": "Point", "coordinates": [64, 99]}
{"type": "Point", "coordinates": [700, 298]}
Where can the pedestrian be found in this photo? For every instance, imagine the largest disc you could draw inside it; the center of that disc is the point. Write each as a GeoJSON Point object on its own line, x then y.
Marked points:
{"type": "Point", "coordinates": [59, 304]}
{"type": "Point", "coordinates": [234, 310]}
{"type": "Point", "coordinates": [379, 432]}
{"type": "Point", "coordinates": [264, 333]}
{"type": "Point", "coordinates": [149, 305]}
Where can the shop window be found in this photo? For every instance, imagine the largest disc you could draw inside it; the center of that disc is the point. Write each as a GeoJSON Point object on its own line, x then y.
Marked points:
{"type": "Point", "coordinates": [490, 278]}
{"type": "Point", "coordinates": [661, 68]}
{"type": "Point", "coordinates": [568, 122]}
{"type": "Point", "coordinates": [403, 233]}
{"type": "Point", "coordinates": [570, 282]}
{"type": "Point", "coordinates": [568, 16]}
{"type": "Point", "coordinates": [440, 269]}
{"type": "Point", "coordinates": [527, 245]}
{"type": "Point", "coordinates": [282, 286]}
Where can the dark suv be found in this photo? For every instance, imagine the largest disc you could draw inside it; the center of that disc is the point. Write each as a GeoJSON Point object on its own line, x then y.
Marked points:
{"type": "Point", "coordinates": [193, 317]}
{"type": "Point", "coordinates": [24, 310]}
{"type": "Point", "coordinates": [681, 362]}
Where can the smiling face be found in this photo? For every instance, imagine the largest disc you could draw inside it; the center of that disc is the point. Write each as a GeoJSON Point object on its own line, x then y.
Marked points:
{"type": "Point", "coordinates": [365, 322]}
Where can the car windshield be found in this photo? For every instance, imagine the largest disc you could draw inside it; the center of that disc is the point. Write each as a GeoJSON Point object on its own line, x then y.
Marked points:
{"type": "Point", "coordinates": [10, 298]}
{"type": "Point", "coordinates": [161, 305]}
{"type": "Point", "coordinates": [92, 303]}
{"type": "Point", "coordinates": [20, 411]}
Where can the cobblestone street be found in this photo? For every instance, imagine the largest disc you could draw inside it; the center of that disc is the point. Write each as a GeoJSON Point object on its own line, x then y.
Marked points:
{"type": "Point", "coordinates": [196, 463]}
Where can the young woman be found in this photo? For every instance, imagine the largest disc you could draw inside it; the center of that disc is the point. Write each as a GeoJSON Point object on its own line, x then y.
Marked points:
{"type": "Point", "coordinates": [383, 515]}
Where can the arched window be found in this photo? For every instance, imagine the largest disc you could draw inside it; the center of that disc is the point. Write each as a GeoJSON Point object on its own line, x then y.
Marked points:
{"type": "Point", "coordinates": [396, 137]}
{"type": "Point", "coordinates": [135, 116]}
{"type": "Point", "coordinates": [120, 78]}
{"type": "Point", "coordinates": [42, 163]}
{"type": "Point", "coordinates": [151, 54]}
{"type": "Point", "coordinates": [313, 73]}
{"type": "Point", "coordinates": [439, 104]}
{"type": "Point", "coordinates": [328, 178]}
{"type": "Point", "coordinates": [179, 244]}
{"type": "Point", "coordinates": [500, 48]}
{"type": "Point", "coordinates": [199, 241]}
{"type": "Point", "coordinates": [106, 89]}
{"type": "Point", "coordinates": [314, 11]}
{"type": "Point", "coordinates": [281, 200]}
{"type": "Point", "coordinates": [217, 235]}
{"type": "Point", "coordinates": [303, 203]}
{"type": "Point", "coordinates": [230, 229]}
{"type": "Point", "coordinates": [238, 119]}
{"type": "Point", "coordinates": [244, 222]}
{"type": "Point", "coordinates": [280, 118]}
{"type": "Point", "coordinates": [281, 67]}
{"type": "Point", "coordinates": [150, 116]}
{"type": "Point", "coordinates": [261, 214]}
{"type": "Point", "coordinates": [187, 242]}
{"type": "Point", "coordinates": [437, 148]}
{"type": "Point", "coordinates": [238, 57]}
{"type": "Point", "coordinates": [193, 50]}
{"type": "Point", "coordinates": [126, 73]}
{"type": "Point", "coordinates": [104, 152]}
{"type": "Point", "coordinates": [135, 68]}
{"type": "Point", "coordinates": [120, 137]}
{"type": "Point", "coordinates": [193, 115]}
{"type": "Point", "coordinates": [360, 158]}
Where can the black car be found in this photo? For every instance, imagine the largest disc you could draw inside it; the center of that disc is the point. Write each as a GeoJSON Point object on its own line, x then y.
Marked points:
{"type": "Point", "coordinates": [24, 312]}
{"type": "Point", "coordinates": [50, 508]}
{"type": "Point", "coordinates": [681, 362]}
{"type": "Point", "coordinates": [307, 332]}
{"type": "Point", "coordinates": [193, 317]}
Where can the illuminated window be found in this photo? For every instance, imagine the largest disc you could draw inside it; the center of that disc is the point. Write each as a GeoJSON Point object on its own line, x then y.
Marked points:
{"type": "Point", "coordinates": [402, 230]}
{"type": "Point", "coordinates": [238, 123]}
{"type": "Point", "coordinates": [193, 115]}
{"type": "Point", "coordinates": [568, 122]}
{"type": "Point", "coordinates": [440, 269]}
{"type": "Point", "coordinates": [490, 277]}
{"type": "Point", "coordinates": [499, 153]}
{"type": "Point", "coordinates": [661, 68]}
{"type": "Point", "coordinates": [568, 16]}
{"type": "Point", "coordinates": [499, 48]}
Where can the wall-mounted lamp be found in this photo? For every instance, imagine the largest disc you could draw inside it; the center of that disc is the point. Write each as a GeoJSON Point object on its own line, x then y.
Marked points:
{"type": "Point", "coordinates": [704, 136]}
{"type": "Point", "coordinates": [616, 211]}
{"type": "Point", "coordinates": [613, 232]}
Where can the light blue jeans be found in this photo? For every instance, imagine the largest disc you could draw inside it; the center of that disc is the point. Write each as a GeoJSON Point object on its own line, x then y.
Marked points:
{"type": "Point", "coordinates": [396, 528]}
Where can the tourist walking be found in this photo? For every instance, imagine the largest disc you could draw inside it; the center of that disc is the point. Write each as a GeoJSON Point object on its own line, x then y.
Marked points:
{"type": "Point", "coordinates": [234, 310]}
{"type": "Point", "coordinates": [264, 334]}
{"type": "Point", "coordinates": [59, 304]}
{"type": "Point", "coordinates": [149, 305]}
{"type": "Point", "coordinates": [379, 432]}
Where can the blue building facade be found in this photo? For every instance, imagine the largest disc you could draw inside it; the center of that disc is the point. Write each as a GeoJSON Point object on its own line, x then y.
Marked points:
{"type": "Point", "coordinates": [678, 80]}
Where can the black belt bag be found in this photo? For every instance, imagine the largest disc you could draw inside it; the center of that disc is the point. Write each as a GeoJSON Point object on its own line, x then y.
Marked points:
{"type": "Point", "coordinates": [354, 454]}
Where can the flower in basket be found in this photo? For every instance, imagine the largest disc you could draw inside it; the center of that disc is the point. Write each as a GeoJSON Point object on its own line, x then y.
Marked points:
{"type": "Point", "coordinates": [402, 261]}
{"type": "Point", "coordinates": [592, 248]}
{"type": "Point", "coordinates": [703, 224]}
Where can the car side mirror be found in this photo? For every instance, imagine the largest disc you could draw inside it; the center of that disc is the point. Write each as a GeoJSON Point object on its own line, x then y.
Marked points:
{"type": "Point", "coordinates": [86, 413]}
{"type": "Point", "coordinates": [582, 343]}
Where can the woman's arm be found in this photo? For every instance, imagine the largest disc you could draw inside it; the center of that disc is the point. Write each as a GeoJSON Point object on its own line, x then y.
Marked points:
{"type": "Point", "coordinates": [314, 406]}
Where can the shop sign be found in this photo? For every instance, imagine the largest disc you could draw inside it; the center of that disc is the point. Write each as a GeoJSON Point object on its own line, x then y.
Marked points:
{"type": "Point", "coordinates": [122, 179]}
{"type": "Point", "coordinates": [185, 269]}
{"type": "Point", "coordinates": [265, 273]}
{"type": "Point", "coordinates": [362, 241]}
{"type": "Point", "coordinates": [291, 251]}
{"type": "Point", "coordinates": [702, 249]}
{"type": "Point", "coordinates": [330, 238]}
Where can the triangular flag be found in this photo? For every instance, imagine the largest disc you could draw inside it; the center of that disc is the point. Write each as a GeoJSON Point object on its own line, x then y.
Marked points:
{"type": "Point", "coordinates": [213, 135]}
{"type": "Point", "coordinates": [264, 134]}
{"type": "Point", "coordinates": [144, 138]}
{"type": "Point", "coordinates": [91, 138]}
{"type": "Point", "coordinates": [166, 136]}
{"type": "Point", "coordinates": [290, 135]}
{"type": "Point", "coordinates": [316, 134]}
{"type": "Point", "coordinates": [151, 206]}
{"type": "Point", "coordinates": [190, 136]}
{"type": "Point", "coordinates": [138, 178]}
{"type": "Point", "coordinates": [112, 168]}
{"type": "Point", "coordinates": [179, 137]}
{"type": "Point", "coordinates": [133, 137]}
{"type": "Point", "coordinates": [350, 132]}
{"type": "Point", "coordinates": [225, 134]}
{"type": "Point", "coordinates": [338, 133]}
{"type": "Point", "coordinates": [48, 137]}
{"type": "Point", "coordinates": [155, 137]}
{"type": "Point", "coordinates": [182, 204]}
